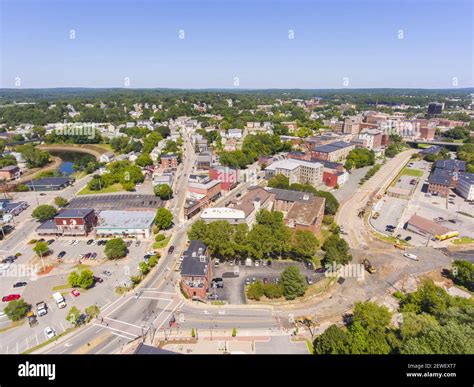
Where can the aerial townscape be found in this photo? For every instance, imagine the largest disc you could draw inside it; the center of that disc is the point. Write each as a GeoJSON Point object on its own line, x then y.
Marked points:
{"type": "Point", "coordinates": [234, 220]}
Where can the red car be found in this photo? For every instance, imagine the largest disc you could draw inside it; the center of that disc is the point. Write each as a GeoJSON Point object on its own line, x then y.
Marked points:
{"type": "Point", "coordinates": [11, 297]}
{"type": "Point", "coordinates": [75, 293]}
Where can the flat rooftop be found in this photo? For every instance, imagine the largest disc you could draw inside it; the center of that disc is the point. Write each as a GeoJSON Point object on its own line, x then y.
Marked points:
{"type": "Point", "coordinates": [125, 219]}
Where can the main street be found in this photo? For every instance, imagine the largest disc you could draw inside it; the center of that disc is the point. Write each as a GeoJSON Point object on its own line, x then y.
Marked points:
{"type": "Point", "coordinates": [146, 314]}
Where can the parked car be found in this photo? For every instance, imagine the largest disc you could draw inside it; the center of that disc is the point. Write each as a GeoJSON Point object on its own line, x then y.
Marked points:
{"type": "Point", "coordinates": [89, 242]}
{"type": "Point", "coordinates": [248, 281]}
{"type": "Point", "coordinates": [129, 243]}
{"type": "Point", "coordinates": [309, 280]}
{"type": "Point", "coordinates": [98, 279]}
{"type": "Point", "coordinates": [137, 243]}
{"type": "Point", "coordinates": [107, 273]}
{"type": "Point", "coordinates": [93, 256]}
{"type": "Point", "coordinates": [151, 252]}
{"type": "Point", "coordinates": [11, 297]}
{"type": "Point", "coordinates": [171, 249]}
{"type": "Point", "coordinates": [49, 332]}
{"type": "Point", "coordinates": [75, 292]}
{"type": "Point", "coordinates": [411, 256]}
{"type": "Point", "coordinates": [40, 240]}
{"type": "Point", "coordinates": [61, 254]}
{"type": "Point", "coordinates": [212, 297]}
{"type": "Point", "coordinates": [218, 282]}
{"type": "Point", "coordinates": [408, 238]}
{"type": "Point", "coordinates": [50, 241]}
{"type": "Point", "coordinates": [9, 259]}
{"type": "Point", "coordinates": [20, 284]}
{"type": "Point", "coordinates": [269, 262]}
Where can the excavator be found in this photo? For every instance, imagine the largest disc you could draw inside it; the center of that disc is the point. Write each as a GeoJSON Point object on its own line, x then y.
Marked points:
{"type": "Point", "coordinates": [307, 321]}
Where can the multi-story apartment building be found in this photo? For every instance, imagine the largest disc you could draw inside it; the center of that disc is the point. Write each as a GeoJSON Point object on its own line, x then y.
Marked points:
{"type": "Point", "coordinates": [465, 186]}
{"type": "Point", "coordinates": [297, 171]}
{"type": "Point", "coordinates": [196, 270]}
{"type": "Point", "coordinates": [373, 137]}
{"type": "Point", "coordinates": [335, 151]}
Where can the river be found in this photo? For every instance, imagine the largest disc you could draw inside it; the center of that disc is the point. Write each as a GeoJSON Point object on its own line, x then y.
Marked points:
{"type": "Point", "coordinates": [71, 158]}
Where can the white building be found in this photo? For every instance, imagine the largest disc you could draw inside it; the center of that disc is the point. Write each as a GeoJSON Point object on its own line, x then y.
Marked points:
{"type": "Point", "coordinates": [465, 186]}
{"type": "Point", "coordinates": [231, 215]}
{"type": "Point", "coordinates": [297, 171]}
{"type": "Point", "coordinates": [370, 135]}
{"type": "Point", "coordinates": [125, 223]}
{"type": "Point", "coordinates": [107, 157]}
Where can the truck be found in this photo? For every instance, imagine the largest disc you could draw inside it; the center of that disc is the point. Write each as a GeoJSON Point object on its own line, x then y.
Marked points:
{"type": "Point", "coordinates": [41, 309]}
{"type": "Point", "coordinates": [368, 266]}
{"type": "Point", "coordinates": [60, 301]}
{"type": "Point", "coordinates": [32, 319]}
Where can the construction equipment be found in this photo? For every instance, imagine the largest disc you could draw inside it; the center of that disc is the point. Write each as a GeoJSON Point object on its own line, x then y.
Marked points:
{"type": "Point", "coordinates": [368, 266]}
{"type": "Point", "coordinates": [307, 321]}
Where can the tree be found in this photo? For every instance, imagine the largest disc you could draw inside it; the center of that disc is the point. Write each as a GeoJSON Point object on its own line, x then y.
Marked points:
{"type": "Point", "coordinates": [163, 218]}
{"type": "Point", "coordinates": [144, 268]}
{"type": "Point", "coordinates": [333, 341]}
{"type": "Point", "coordinates": [17, 309]}
{"type": "Point", "coordinates": [164, 191]}
{"type": "Point", "coordinates": [92, 311]}
{"type": "Point", "coordinates": [41, 249]}
{"type": "Point", "coordinates": [255, 291]}
{"type": "Point", "coordinates": [279, 181]}
{"type": "Point", "coordinates": [337, 251]}
{"type": "Point", "coordinates": [144, 160]}
{"type": "Point", "coordinates": [60, 201]}
{"type": "Point", "coordinates": [73, 315]}
{"type": "Point", "coordinates": [294, 284]}
{"type": "Point", "coordinates": [371, 316]}
{"type": "Point", "coordinates": [462, 274]}
{"type": "Point", "coordinates": [304, 244]}
{"type": "Point", "coordinates": [360, 157]}
{"type": "Point", "coordinates": [44, 212]}
{"type": "Point", "coordinates": [73, 279]}
{"type": "Point", "coordinates": [86, 279]}
{"type": "Point", "coordinates": [115, 248]}
{"type": "Point", "coordinates": [273, 290]}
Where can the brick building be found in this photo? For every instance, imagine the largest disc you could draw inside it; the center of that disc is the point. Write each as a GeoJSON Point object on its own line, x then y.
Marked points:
{"type": "Point", "coordinates": [196, 270]}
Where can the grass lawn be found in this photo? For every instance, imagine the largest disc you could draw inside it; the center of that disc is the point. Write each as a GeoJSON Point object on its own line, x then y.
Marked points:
{"type": "Point", "coordinates": [60, 287]}
{"type": "Point", "coordinates": [161, 244]}
{"type": "Point", "coordinates": [412, 172]}
{"type": "Point", "coordinates": [117, 187]}
{"type": "Point", "coordinates": [81, 266]}
{"type": "Point", "coordinates": [310, 346]}
{"type": "Point", "coordinates": [462, 241]}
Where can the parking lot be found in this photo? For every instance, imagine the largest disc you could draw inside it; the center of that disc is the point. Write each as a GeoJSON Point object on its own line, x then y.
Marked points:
{"type": "Point", "coordinates": [234, 286]}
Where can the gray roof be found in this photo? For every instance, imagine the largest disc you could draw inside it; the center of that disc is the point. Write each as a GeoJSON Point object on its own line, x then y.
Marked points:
{"type": "Point", "coordinates": [440, 176]}
{"type": "Point", "coordinates": [467, 177]}
{"type": "Point", "coordinates": [110, 219]}
{"type": "Point", "coordinates": [451, 165]}
{"type": "Point", "coordinates": [47, 227]}
{"type": "Point", "coordinates": [74, 213]}
{"type": "Point", "coordinates": [291, 196]}
{"type": "Point", "coordinates": [192, 265]}
{"type": "Point", "coordinates": [10, 168]}
{"type": "Point", "coordinates": [332, 147]}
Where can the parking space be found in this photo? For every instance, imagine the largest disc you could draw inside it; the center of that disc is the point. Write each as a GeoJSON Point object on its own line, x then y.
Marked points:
{"type": "Point", "coordinates": [233, 290]}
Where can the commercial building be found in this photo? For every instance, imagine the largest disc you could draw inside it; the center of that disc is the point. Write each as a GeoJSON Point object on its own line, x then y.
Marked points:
{"type": "Point", "coordinates": [373, 138]}
{"type": "Point", "coordinates": [196, 270]}
{"type": "Point", "coordinates": [75, 221]}
{"type": "Point", "coordinates": [125, 223]}
{"type": "Point", "coordinates": [306, 215]}
{"type": "Point", "coordinates": [440, 182]}
{"type": "Point", "coordinates": [465, 186]}
{"type": "Point", "coordinates": [227, 176]}
{"type": "Point", "coordinates": [230, 215]}
{"type": "Point", "coordinates": [165, 178]}
{"type": "Point", "coordinates": [427, 133]}
{"type": "Point", "coordinates": [201, 192]}
{"type": "Point", "coordinates": [253, 201]}
{"type": "Point", "coordinates": [204, 161]}
{"type": "Point", "coordinates": [48, 184]}
{"type": "Point", "coordinates": [426, 227]}
{"type": "Point", "coordinates": [297, 171]}
{"type": "Point", "coordinates": [435, 108]}
{"type": "Point", "coordinates": [335, 151]}
{"type": "Point", "coordinates": [451, 165]}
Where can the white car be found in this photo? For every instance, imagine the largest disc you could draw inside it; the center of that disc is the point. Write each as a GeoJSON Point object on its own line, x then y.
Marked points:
{"type": "Point", "coordinates": [93, 243]}
{"type": "Point", "coordinates": [411, 256]}
{"type": "Point", "coordinates": [71, 242]}
{"type": "Point", "coordinates": [49, 332]}
{"type": "Point", "coordinates": [151, 252]}
{"type": "Point", "coordinates": [76, 242]}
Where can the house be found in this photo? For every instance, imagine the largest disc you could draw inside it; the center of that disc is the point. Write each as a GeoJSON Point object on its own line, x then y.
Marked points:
{"type": "Point", "coordinates": [48, 184]}
{"type": "Point", "coordinates": [107, 157]}
{"type": "Point", "coordinates": [196, 270]}
{"type": "Point", "coordinates": [75, 221]}
{"type": "Point", "coordinates": [125, 223]}
{"type": "Point", "coordinates": [10, 172]}
{"type": "Point", "coordinates": [227, 176]}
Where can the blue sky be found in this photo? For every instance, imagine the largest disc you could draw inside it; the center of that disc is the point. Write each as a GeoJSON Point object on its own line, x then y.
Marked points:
{"type": "Point", "coordinates": [139, 40]}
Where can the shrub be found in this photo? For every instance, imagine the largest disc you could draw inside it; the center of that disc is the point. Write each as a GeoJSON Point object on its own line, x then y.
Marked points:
{"type": "Point", "coordinates": [255, 291]}
{"type": "Point", "coordinates": [159, 238]}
